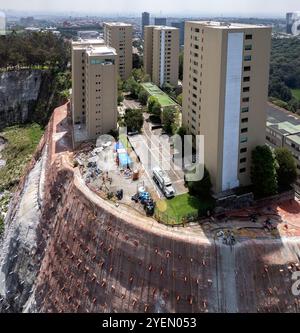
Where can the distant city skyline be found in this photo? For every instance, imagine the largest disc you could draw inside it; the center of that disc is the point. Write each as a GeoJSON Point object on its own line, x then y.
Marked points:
{"type": "Point", "coordinates": [243, 8]}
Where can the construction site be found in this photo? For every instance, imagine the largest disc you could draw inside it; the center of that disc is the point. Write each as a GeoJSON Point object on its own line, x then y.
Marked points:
{"type": "Point", "coordinates": [77, 251]}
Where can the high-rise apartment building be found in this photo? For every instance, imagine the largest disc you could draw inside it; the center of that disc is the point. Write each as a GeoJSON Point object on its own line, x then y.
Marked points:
{"type": "Point", "coordinates": [225, 89]}
{"type": "Point", "coordinates": [293, 23]}
{"type": "Point", "coordinates": [94, 92]}
{"type": "Point", "coordinates": [78, 76]}
{"type": "Point", "coordinates": [119, 36]}
{"type": "Point", "coordinates": [160, 21]}
{"type": "Point", "coordinates": [161, 54]}
{"type": "Point", "coordinates": [180, 26]}
{"type": "Point", "coordinates": [145, 21]}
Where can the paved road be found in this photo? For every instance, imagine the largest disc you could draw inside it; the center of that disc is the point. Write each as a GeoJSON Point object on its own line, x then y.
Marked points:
{"type": "Point", "coordinates": [131, 104]}
{"type": "Point", "coordinates": [154, 150]}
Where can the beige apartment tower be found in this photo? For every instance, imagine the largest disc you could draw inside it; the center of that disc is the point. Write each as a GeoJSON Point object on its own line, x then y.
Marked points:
{"type": "Point", "coordinates": [161, 54]}
{"type": "Point", "coordinates": [119, 36]}
{"type": "Point", "coordinates": [94, 93]}
{"type": "Point", "coordinates": [225, 90]}
{"type": "Point", "coordinates": [78, 76]}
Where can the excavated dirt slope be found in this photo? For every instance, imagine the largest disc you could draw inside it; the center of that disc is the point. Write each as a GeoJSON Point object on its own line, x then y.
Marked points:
{"type": "Point", "coordinates": [82, 254]}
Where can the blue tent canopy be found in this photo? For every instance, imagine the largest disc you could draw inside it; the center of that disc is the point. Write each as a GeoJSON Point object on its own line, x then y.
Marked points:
{"type": "Point", "coordinates": [119, 145]}
{"type": "Point", "coordinates": [125, 161]}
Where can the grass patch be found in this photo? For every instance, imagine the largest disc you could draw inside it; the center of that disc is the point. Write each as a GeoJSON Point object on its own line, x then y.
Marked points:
{"type": "Point", "coordinates": [22, 142]}
{"type": "Point", "coordinates": [4, 203]}
{"type": "Point", "coordinates": [181, 209]}
{"type": "Point", "coordinates": [296, 93]}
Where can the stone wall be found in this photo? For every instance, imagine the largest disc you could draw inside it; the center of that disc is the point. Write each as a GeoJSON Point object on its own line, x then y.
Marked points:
{"type": "Point", "coordinates": [26, 95]}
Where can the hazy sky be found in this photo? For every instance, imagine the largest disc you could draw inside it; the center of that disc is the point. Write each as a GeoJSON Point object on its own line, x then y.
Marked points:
{"type": "Point", "coordinates": [196, 7]}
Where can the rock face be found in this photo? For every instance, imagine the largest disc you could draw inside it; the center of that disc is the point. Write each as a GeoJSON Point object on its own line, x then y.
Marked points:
{"type": "Point", "coordinates": [20, 94]}
{"type": "Point", "coordinates": [67, 250]}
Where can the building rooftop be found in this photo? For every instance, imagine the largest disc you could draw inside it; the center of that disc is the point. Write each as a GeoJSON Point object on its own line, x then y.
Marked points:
{"type": "Point", "coordinates": [161, 27]}
{"type": "Point", "coordinates": [101, 51]}
{"type": "Point", "coordinates": [228, 25]}
{"type": "Point", "coordinates": [87, 42]}
{"type": "Point", "coordinates": [118, 24]}
{"type": "Point", "coordinates": [164, 27]}
{"type": "Point", "coordinates": [283, 121]}
{"type": "Point", "coordinates": [295, 138]}
{"type": "Point", "coordinates": [163, 99]}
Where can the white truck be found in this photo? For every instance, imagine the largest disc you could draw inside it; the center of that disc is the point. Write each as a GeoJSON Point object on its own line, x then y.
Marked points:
{"type": "Point", "coordinates": [164, 182]}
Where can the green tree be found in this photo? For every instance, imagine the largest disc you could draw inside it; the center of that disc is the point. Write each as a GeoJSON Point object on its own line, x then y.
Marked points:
{"type": "Point", "coordinates": [138, 74]}
{"type": "Point", "coordinates": [202, 188]}
{"type": "Point", "coordinates": [179, 99]}
{"type": "Point", "coordinates": [132, 86]}
{"type": "Point", "coordinates": [287, 168]}
{"type": "Point", "coordinates": [169, 89]}
{"type": "Point", "coordinates": [143, 97]}
{"type": "Point", "coordinates": [156, 110]}
{"type": "Point", "coordinates": [293, 105]}
{"type": "Point", "coordinates": [137, 61]}
{"type": "Point", "coordinates": [120, 97]}
{"type": "Point", "coordinates": [151, 102]}
{"type": "Point", "coordinates": [168, 119]}
{"type": "Point", "coordinates": [263, 172]}
{"type": "Point", "coordinates": [134, 120]}
{"type": "Point", "coordinates": [182, 132]}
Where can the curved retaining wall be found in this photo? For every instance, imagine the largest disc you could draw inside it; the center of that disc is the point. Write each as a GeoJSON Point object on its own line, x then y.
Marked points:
{"type": "Point", "coordinates": [100, 259]}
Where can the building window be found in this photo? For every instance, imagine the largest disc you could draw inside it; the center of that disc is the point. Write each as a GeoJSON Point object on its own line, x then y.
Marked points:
{"type": "Point", "coordinates": [243, 170]}
{"type": "Point", "coordinates": [243, 160]}
{"type": "Point", "coordinates": [247, 68]}
{"type": "Point", "coordinates": [244, 120]}
{"type": "Point", "coordinates": [243, 150]}
{"type": "Point", "coordinates": [248, 37]}
{"type": "Point", "coordinates": [244, 139]}
{"type": "Point", "coordinates": [244, 130]}
{"type": "Point", "coordinates": [246, 99]}
{"type": "Point", "coordinates": [244, 110]}
{"type": "Point", "coordinates": [247, 58]}
{"type": "Point", "coordinates": [246, 89]}
{"type": "Point", "coordinates": [246, 79]}
{"type": "Point", "coordinates": [248, 47]}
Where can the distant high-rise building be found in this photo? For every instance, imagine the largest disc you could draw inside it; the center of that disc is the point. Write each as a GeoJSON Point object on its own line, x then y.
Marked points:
{"type": "Point", "coordinates": [160, 21]}
{"type": "Point", "coordinates": [293, 23]}
{"type": "Point", "coordinates": [2, 23]}
{"type": "Point", "coordinates": [88, 34]}
{"type": "Point", "coordinates": [94, 87]}
{"type": "Point", "coordinates": [119, 36]}
{"type": "Point", "coordinates": [180, 26]}
{"type": "Point", "coordinates": [27, 20]}
{"type": "Point", "coordinates": [225, 90]}
{"type": "Point", "coordinates": [161, 54]}
{"type": "Point", "coordinates": [145, 21]}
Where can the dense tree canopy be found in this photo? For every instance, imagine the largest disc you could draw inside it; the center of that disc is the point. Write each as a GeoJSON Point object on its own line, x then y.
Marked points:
{"type": "Point", "coordinates": [201, 189]}
{"type": "Point", "coordinates": [168, 120]}
{"type": "Point", "coordinates": [33, 49]}
{"type": "Point", "coordinates": [134, 120]}
{"type": "Point", "coordinates": [285, 71]}
{"type": "Point", "coordinates": [143, 97]}
{"type": "Point", "coordinates": [263, 172]}
{"type": "Point", "coordinates": [287, 168]}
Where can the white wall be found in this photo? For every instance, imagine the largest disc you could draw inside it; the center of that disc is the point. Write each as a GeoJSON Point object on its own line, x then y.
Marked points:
{"type": "Point", "coordinates": [162, 54]}
{"type": "Point", "coordinates": [232, 110]}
